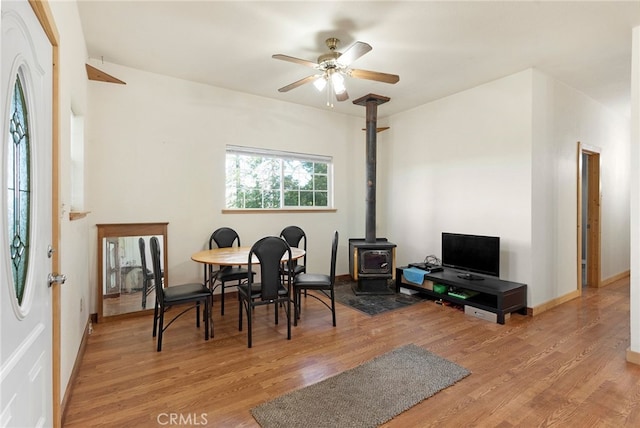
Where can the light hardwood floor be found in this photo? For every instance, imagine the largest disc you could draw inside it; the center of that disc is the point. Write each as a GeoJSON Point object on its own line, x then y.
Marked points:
{"type": "Point", "coordinates": [565, 367]}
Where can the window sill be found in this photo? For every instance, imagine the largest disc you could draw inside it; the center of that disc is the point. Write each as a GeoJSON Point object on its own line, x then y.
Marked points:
{"type": "Point", "coordinates": [77, 215]}
{"type": "Point", "coordinates": [278, 211]}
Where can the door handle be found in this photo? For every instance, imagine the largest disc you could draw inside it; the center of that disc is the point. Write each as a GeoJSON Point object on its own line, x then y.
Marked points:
{"type": "Point", "coordinates": [56, 277]}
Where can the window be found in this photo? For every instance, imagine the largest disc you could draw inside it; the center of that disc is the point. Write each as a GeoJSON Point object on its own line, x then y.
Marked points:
{"type": "Point", "coordinates": [268, 179]}
{"type": "Point", "coordinates": [19, 188]}
{"type": "Point", "coordinates": [77, 162]}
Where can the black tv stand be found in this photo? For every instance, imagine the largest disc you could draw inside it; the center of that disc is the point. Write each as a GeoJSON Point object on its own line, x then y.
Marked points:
{"type": "Point", "coordinates": [470, 277]}
{"type": "Point", "coordinates": [491, 295]}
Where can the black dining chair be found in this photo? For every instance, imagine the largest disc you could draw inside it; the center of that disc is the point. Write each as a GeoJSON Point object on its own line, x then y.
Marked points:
{"type": "Point", "coordinates": [295, 237]}
{"type": "Point", "coordinates": [177, 295]}
{"type": "Point", "coordinates": [274, 288]}
{"type": "Point", "coordinates": [225, 237]}
{"type": "Point", "coordinates": [322, 283]}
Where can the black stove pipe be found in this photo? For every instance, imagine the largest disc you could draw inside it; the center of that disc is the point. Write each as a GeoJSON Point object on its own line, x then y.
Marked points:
{"type": "Point", "coordinates": [371, 102]}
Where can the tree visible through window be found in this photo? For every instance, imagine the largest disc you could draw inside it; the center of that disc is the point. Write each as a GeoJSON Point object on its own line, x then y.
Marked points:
{"type": "Point", "coordinates": [263, 179]}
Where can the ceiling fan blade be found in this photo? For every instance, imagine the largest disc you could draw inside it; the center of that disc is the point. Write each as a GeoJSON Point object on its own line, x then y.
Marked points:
{"type": "Point", "coordinates": [295, 60]}
{"type": "Point", "coordinates": [299, 83]}
{"type": "Point", "coordinates": [354, 52]}
{"type": "Point", "coordinates": [374, 75]}
{"type": "Point", "coordinates": [342, 96]}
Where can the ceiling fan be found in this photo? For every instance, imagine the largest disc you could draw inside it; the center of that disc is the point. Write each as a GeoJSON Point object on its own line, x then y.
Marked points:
{"type": "Point", "coordinates": [333, 66]}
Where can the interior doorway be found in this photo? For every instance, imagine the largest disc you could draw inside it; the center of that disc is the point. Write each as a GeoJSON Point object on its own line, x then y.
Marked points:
{"type": "Point", "coordinates": [589, 216]}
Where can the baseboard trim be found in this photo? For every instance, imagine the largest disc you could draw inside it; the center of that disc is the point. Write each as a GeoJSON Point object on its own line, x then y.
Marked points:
{"type": "Point", "coordinates": [633, 357]}
{"type": "Point", "coordinates": [76, 368]}
{"type": "Point", "coordinates": [537, 310]}
{"type": "Point", "coordinates": [614, 278]}
{"type": "Point", "coordinates": [572, 295]}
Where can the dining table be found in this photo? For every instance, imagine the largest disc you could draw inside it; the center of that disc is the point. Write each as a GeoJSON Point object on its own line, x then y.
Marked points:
{"type": "Point", "coordinates": [231, 256]}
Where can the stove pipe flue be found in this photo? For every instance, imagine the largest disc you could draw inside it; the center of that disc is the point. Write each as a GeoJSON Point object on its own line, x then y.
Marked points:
{"type": "Point", "coordinates": [371, 102]}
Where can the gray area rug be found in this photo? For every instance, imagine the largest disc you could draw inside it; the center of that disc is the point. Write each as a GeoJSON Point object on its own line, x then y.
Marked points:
{"type": "Point", "coordinates": [373, 304]}
{"type": "Point", "coordinates": [365, 396]}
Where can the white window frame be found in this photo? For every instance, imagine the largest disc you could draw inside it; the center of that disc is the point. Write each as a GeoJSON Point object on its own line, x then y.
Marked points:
{"type": "Point", "coordinates": [282, 156]}
{"type": "Point", "coordinates": [77, 162]}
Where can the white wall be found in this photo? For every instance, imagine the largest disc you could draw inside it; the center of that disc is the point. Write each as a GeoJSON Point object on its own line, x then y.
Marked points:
{"type": "Point", "coordinates": [501, 159]}
{"type": "Point", "coordinates": [74, 256]}
{"type": "Point", "coordinates": [634, 304]}
{"type": "Point", "coordinates": [462, 164]}
{"type": "Point", "coordinates": [562, 118]}
{"type": "Point", "coordinates": [155, 152]}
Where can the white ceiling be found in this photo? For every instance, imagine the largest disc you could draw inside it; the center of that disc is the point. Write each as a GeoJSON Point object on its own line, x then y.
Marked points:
{"type": "Point", "coordinates": [436, 47]}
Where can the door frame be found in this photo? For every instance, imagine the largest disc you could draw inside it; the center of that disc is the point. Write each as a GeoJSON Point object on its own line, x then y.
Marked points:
{"type": "Point", "coordinates": [43, 13]}
{"type": "Point", "coordinates": [593, 205]}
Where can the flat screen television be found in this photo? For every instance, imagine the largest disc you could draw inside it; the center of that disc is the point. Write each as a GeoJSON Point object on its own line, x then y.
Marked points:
{"type": "Point", "coordinates": [471, 254]}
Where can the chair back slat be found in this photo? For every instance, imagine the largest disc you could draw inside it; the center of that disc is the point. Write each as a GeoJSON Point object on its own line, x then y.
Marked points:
{"type": "Point", "coordinates": [334, 252]}
{"type": "Point", "coordinates": [157, 269]}
{"type": "Point", "coordinates": [294, 235]}
{"type": "Point", "coordinates": [224, 237]}
{"type": "Point", "coordinates": [270, 252]}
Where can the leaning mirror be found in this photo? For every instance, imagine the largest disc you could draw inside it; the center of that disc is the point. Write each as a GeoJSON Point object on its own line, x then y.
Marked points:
{"type": "Point", "coordinates": [123, 287]}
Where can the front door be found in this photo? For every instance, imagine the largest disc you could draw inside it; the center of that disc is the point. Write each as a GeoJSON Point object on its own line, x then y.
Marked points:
{"type": "Point", "coordinates": [25, 212]}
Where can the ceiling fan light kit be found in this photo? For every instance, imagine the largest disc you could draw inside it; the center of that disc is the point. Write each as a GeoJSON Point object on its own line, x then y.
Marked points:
{"type": "Point", "coordinates": [320, 83]}
{"type": "Point", "coordinates": [338, 82]}
{"type": "Point", "coordinates": [334, 66]}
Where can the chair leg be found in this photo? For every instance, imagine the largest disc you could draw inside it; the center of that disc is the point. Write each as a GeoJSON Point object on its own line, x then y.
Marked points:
{"type": "Point", "coordinates": [333, 306]}
{"type": "Point", "coordinates": [289, 318]}
{"type": "Point", "coordinates": [198, 314]}
{"type": "Point", "coordinates": [240, 305]}
{"type": "Point", "coordinates": [155, 319]}
{"type": "Point", "coordinates": [211, 331]}
{"type": "Point", "coordinates": [222, 299]}
{"type": "Point", "coordinates": [206, 316]}
{"type": "Point", "coordinates": [249, 326]}
{"type": "Point", "coordinates": [295, 307]}
{"type": "Point", "coordinates": [160, 329]}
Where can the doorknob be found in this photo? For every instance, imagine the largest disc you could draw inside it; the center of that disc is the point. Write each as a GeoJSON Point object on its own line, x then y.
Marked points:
{"type": "Point", "coordinates": [55, 277]}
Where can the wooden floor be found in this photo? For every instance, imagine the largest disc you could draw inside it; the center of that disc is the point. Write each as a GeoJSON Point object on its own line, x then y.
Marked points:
{"type": "Point", "coordinates": [565, 367]}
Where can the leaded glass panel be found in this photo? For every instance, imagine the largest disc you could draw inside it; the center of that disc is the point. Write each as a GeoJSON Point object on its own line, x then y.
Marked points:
{"type": "Point", "coordinates": [19, 188]}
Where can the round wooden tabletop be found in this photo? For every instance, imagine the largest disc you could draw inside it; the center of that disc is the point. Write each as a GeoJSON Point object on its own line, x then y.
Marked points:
{"type": "Point", "coordinates": [233, 256]}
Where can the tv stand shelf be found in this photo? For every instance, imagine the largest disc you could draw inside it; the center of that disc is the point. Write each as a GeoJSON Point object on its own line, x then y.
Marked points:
{"type": "Point", "coordinates": [495, 295]}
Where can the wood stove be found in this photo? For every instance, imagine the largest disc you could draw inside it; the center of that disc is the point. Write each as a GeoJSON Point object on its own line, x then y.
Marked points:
{"type": "Point", "coordinates": [372, 265]}
{"type": "Point", "coordinates": [371, 260]}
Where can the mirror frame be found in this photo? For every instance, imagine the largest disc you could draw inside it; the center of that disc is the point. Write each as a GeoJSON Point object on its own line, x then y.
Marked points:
{"type": "Point", "coordinates": [127, 230]}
